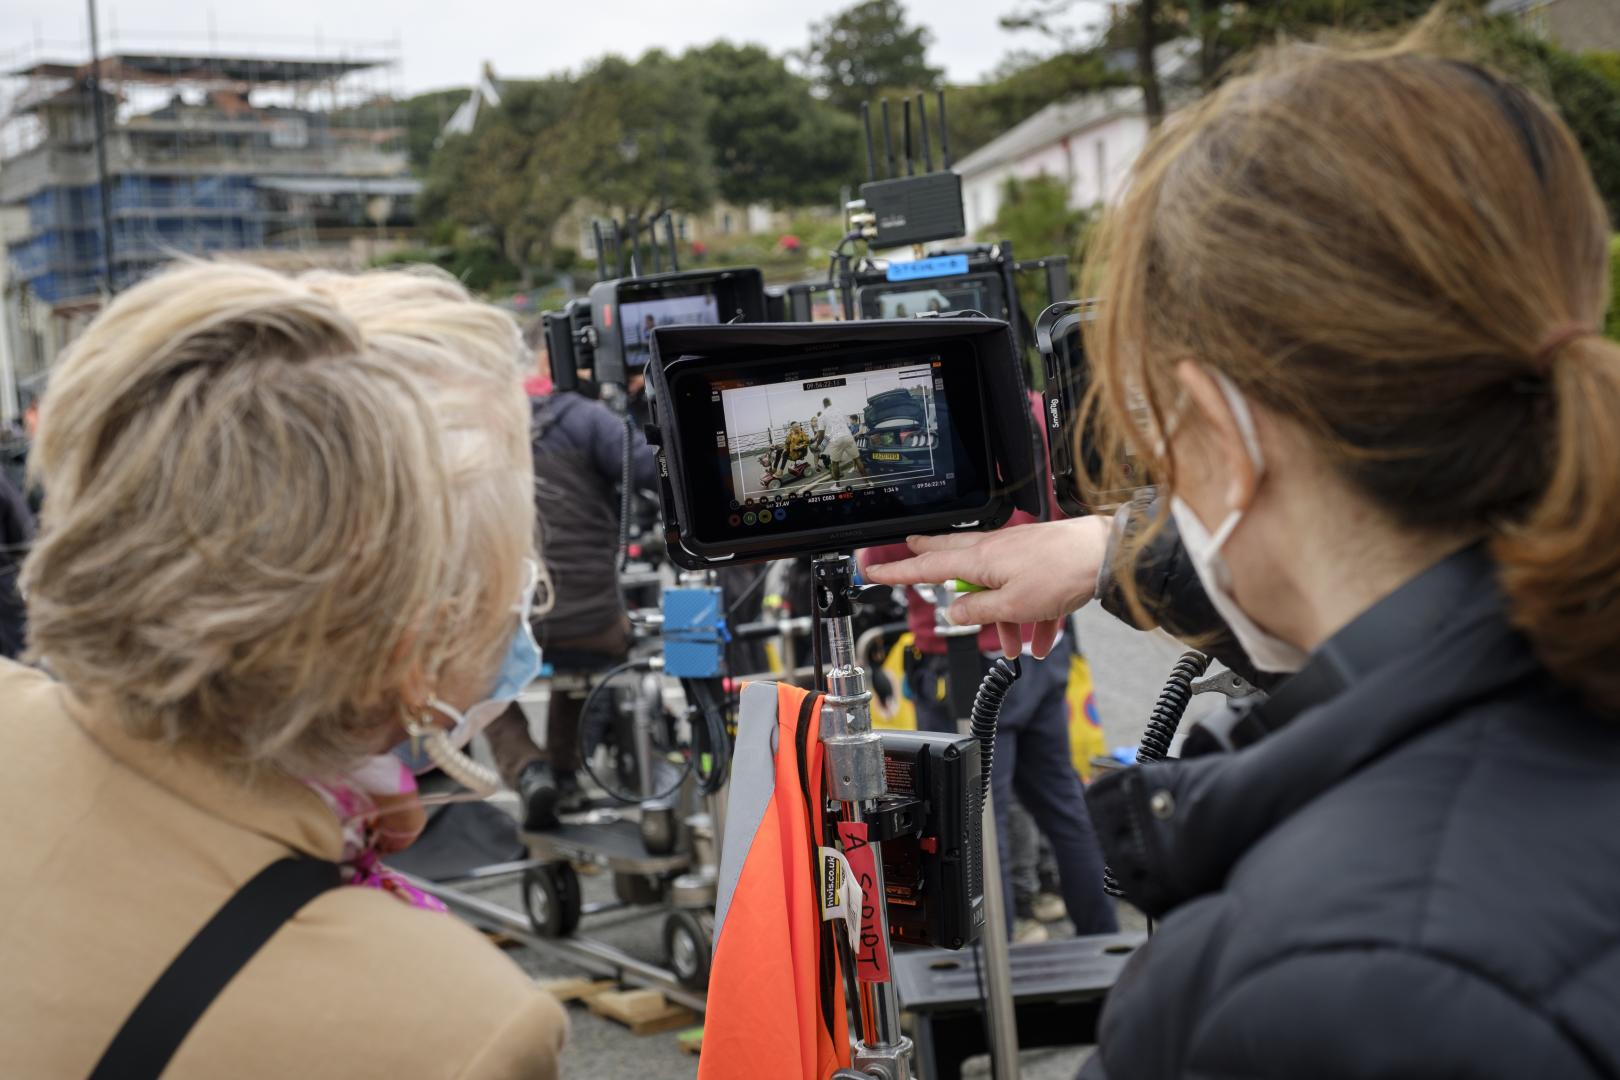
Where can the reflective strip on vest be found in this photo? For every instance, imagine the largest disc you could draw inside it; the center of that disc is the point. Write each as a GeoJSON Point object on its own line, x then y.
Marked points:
{"type": "Point", "coordinates": [753, 783]}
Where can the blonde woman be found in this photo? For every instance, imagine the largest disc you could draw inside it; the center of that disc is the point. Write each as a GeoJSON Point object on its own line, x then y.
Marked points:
{"type": "Point", "coordinates": [290, 524]}
{"type": "Point", "coordinates": [1360, 294]}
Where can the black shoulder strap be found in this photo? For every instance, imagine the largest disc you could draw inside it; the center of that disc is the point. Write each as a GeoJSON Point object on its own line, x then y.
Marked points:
{"type": "Point", "coordinates": [154, 1031]}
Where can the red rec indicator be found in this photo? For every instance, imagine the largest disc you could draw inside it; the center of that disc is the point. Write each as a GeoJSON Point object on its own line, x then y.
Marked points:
{"type": "Point", "coordinates": [938, 364]}
{"type": "Point", "coordinates": [607, 314]}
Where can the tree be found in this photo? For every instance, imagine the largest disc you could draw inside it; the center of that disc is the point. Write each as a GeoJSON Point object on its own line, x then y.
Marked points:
{"type": "Point", "coordinates": [1582, 90]}
{"type": "Point", "coordinates": [1147, 67]}
{"type": "Point", "coordinates": [773, 141]}
{"type": "Point", "coordinates": [1021, 88]}
{"type": "Point", "coordinates": [865, 48]}
{"type": "Point", "coordinates": [638, 135]}
{"type": "Point", "coordinates": [514, 176]}
{"type": "Point", "coordinates": [1222, 29]}
{"type": "Point", "coordinates": [1035, 215]}
{"type": "Point", "coordinates": [1606, 64]}
{"type": "Point", "coordinates": [425, 116]}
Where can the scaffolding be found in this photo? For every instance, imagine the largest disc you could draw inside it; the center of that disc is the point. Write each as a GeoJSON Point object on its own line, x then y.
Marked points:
{"type": "Point", "coordinates": [206, 152]}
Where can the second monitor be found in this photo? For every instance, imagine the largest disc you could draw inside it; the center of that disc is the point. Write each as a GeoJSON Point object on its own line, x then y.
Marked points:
{"type": "Point", "coordinates": [625, 311]}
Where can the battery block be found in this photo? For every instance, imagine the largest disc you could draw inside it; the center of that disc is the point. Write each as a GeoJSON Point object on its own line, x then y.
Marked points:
{"type": "Point", "coordinates": [695, 633]}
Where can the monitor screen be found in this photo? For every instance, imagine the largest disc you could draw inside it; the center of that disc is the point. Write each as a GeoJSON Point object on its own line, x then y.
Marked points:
{"type": "Point", "coordinates": [640, 317]}
{"type": "Point", "coordinates": [907, 299]}
{"type": "Point", "coordinates": [859, 430]}
{"type": "Point", "coordinates": [835, 441]}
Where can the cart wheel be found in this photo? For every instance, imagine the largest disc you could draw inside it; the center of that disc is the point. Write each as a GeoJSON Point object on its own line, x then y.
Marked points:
{"type": "Point", "coordinates": [689, 943]}
{"type": "Point", "coordinates": [551, 896]}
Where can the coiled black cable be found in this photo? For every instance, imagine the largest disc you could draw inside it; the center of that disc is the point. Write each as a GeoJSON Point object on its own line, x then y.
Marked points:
{"type": "Point", "coordinates": [1171, 707]}
{"type": "Point", "coordinates": [987, 710]}
{"type": "Point", "coordinates": [1163, 724]}
{"type": "Point", "coordinates": [592, 723]}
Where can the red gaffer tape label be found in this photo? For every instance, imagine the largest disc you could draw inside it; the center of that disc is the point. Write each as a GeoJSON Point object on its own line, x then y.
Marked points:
{"type": "Point", "coordinates": [872, 961]}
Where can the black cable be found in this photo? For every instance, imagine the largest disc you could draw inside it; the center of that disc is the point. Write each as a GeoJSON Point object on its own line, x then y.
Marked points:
{"type": "Point", "coordinates": [709, 736]}
{"type": "Point", "coordinates": [587, 747]}
{"type": "Point", "coordinates": [815, 640]}
{"type": "Point", "coordinates": [738, 601]}
{"type": "Point", "coordinates": [1171, 707]}
{"type": "Point", "coordinates": [987, 710]}
{"type": "Point", "coordinates": [624, 489]}
{"type": "Point", "coordinates": [1161, 728]}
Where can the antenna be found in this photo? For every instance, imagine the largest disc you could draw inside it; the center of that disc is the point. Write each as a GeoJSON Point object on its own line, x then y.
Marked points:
{"type": "Point", "coordinates": [601, 248]}
{"type": "Point", "coordinates": [888, 138]}
{"type": "Point", "coordinates": [944, 135]}
{"type": "Point", "coordinates": [871, 150]}
{"type": "Point", "coordinates": [922, 128]}
{"type": "Point", "coordinates": [906, 128]}
{"type": "Point", "coordinates": [669, 231]}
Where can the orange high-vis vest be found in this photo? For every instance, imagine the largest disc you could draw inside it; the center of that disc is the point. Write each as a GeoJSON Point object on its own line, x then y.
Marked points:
{"type": "Point", "coordinates": [776, 992]}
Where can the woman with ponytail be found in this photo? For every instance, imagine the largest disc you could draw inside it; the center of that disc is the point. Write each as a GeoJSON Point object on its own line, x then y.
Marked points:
{"type": "Point", "coordinates": [1350, 314]}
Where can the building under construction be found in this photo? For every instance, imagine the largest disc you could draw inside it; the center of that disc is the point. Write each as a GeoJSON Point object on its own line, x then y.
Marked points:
{"type": "Point", "coordinates": [300, 160]}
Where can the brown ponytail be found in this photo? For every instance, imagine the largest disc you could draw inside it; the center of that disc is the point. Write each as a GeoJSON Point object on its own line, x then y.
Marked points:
{"type": "Point", "coordinates": [1561, 565]}
{"type": "Point", "coordinates": [1404, 254]}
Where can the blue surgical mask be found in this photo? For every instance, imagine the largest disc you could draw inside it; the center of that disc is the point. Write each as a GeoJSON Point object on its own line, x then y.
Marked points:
{"type": "Point", "coordinates": [518, 668]}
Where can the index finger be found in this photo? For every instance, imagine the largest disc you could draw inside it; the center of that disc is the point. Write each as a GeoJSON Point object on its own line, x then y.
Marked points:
{"type": "Point", "coordinates": [930, 568]}
{"type": "Point", "coordinates": [946, 542]}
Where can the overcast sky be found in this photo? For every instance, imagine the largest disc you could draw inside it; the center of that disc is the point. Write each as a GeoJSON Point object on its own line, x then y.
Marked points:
{"type": "Point", "coordinates": [443, 42]}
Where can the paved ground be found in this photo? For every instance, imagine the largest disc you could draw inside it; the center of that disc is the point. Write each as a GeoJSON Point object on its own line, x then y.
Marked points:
{"type": "Point", "coordinates": [1128, 668]}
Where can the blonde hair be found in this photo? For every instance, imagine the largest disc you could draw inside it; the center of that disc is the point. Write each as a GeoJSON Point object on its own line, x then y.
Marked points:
{"type": "Point", "coordinates": [1406, 255]}
{"type": "Point", "coordinates": [271, 503]}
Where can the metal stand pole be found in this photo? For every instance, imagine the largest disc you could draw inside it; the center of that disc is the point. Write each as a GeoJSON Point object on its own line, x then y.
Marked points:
{"type": "Point", "coordinates": [998, 1007]}
{"type": "Point", "coordinates": [962, 646]}
{"type": "Point", "coordinates": [854, 764]}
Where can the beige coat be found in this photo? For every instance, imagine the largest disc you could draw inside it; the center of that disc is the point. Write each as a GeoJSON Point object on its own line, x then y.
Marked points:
{"type": "Point", "coordinates": [116, 851]}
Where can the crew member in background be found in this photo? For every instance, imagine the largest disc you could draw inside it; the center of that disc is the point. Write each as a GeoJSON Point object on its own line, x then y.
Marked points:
{"type": "Point", "coordinates": [578, 445]}
{"type": "Point", "coordinates": [16, 533]}
{"type": "Point", "coordinates": [14, 447]}
{"type": "Point", "coordinates": [1032, 760]}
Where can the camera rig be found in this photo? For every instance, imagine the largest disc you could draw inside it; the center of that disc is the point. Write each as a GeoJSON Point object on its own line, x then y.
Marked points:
{"type": "Point", "coordinates": [607, 331]}
{"type": "Point", "coordinates": [797, 439]}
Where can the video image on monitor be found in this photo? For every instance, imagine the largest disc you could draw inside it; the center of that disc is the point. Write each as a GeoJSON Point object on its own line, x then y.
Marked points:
{"type": "Point", "coordinates": [959, 295]}
{"type": "Point", "coordinates": [640, 317]}
{"type": "Point", "coordinates": [860, 430]}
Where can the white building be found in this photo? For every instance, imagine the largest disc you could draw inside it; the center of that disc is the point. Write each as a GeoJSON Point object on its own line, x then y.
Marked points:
{"type": "Point", "coordinates": [1577, 25]}
{"type": "Point", "coordinates": [1089, 142]}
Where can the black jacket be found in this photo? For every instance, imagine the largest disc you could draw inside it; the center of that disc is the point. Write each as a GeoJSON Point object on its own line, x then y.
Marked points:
{"type": "Point", "coordinates": [578, 462]}
{"type": "Point", "coordinates": [1415, 874]}
{"type": "Point", "coordinates": [16, 534]}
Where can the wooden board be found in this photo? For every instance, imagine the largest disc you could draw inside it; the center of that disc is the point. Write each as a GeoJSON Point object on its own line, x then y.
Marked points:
{"type": "Point", "coordinates": [577, 989]}
{"type": "Point", "coordinates": [644, 1012]}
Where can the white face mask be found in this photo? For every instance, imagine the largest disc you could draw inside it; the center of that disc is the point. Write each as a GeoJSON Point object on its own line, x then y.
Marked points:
{"type": "Point", "coordinates": [519, 667]}
{"type": "Point", "coordinates": [1265, 651]}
